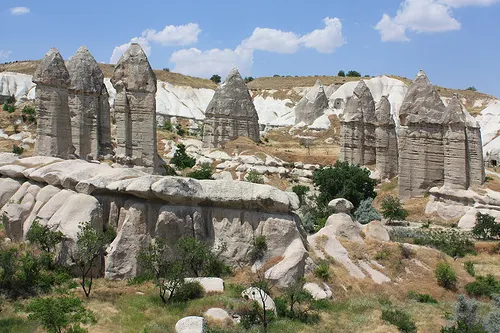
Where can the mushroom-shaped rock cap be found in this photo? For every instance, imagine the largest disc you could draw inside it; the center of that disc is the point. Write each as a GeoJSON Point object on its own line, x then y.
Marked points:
{"type": "Point", "coordinates": [52, 71]}
{"type": "Point", "coordinates": [232, 99]}
{"type": "Point", "coordinates": [134, 72]}
{"type": "Point", "coordinates": [422, 103]}
{"type": "Point", "coordinates": [366, 101]}
{"type": "Point", "coordinates": [352, 111]}
{"type": "Point", "coordinates": [383, 112]}
{"type": "Point", "coordinates": [316, 91]}
{"type": "Point", "coordinates": [86, 76]}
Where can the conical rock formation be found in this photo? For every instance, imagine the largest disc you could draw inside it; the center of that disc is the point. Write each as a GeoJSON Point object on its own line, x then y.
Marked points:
{"type": "Point", "coordinates": [312, 105]}
{"type": "Point", "coordinates": [231, 113]}
{"type": "Point", "coordinates": [51, 102]}
{"type": "Point", "coordinates": [387, 144]}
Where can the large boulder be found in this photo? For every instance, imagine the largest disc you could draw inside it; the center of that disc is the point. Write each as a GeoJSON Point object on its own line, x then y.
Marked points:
{"type": "Point", "coordinates": [218, 314]}
{"type": "Point", "coordinates": [209, 284]}
{"type": "Point", "coordinates": [7, 189]}
{"type": "Point", "coordinates": [375, 230]}
{"type": "Point", "coordinates": [260, 296]}
{"type": "Point", "coordinates": [191, 325]}
{"type": "Point", "coordinates": [344, 226]}
{"type": "Point", "coordinates": [341, 205]}
{"type": "Point", "coordinates": [318, 292]}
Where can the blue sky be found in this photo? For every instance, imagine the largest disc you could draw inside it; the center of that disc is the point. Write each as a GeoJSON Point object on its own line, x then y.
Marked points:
{"type": "Point", "coordinates": [457, 42]}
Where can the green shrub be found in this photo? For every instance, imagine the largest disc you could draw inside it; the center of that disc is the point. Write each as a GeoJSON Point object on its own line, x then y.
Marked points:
{"type": "Point", "coordinates": [341, 73]}
{"type": "Point", "coordinates": [382, 255]}
{"type": "Point", "coordinates": [11, 109]}
{"type": "Point", "coordinates": [421, 298]}
{"type": "Point", "coordinates": [366, 213]}
{"type": "Point", "coordinates": [460, 327]}
{"type": "Point", "coordinates": [492, 320]}
{"type": "Point", "coordinates": [5, 107]}
{"type": "Point", "coordinates": [486, 227]}
{"type": "Point", "coordinates": [199, 259]}
{"type": "Point", "coordinates": [188, 291]}
{"type": "Point", "coordinates": [483, 286]}
{"type": "Point", "coordinates": [18, 150]}
{"type": "Point", "coordinates": [392, 209]}
{"type": "Point", "coordinates": [322, 271]}
{"type": "Point", "coordinates": [472, 88]}
{"type": "Point", "coordinates": [301, 191]}
{"type": "Point", "coordinates": [313, 215]}
{"type": "Point", "coordinates": [167, 126]}
{"type": "Point", "coordinates": [204, 172]}
{"type": "Point", "coordinates": [180, 131]}
{"type": "Point", "coordinates": [469, 268]}
{"type": "Point", "coordinates": [400, 319]}
{"type": "Point", "coordinates": [446, 276]}
{"type": "Point", "coordinates": [254, 177]}
{"type": "Point", "coordinates": [216, 79]}
{"type": "Point", "coordinates": [297, 303]}
{"type": "Point", "coordinates": [60, 314]}
{"type": "Point", "coordinates": [259, 248]}
{"type": "Point", "coordinates": [29, 114]}
{"type": "Point", "coordinates": [353, 74]}
{"type": "Point", "coordinates": [181, 160]}
{"type": "Point", "coordinates": [44, 236]}
{"type": "Point", "coordinates": [343, 180]}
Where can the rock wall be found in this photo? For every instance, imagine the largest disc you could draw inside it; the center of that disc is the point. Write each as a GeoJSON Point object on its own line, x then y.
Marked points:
{"type": "Point", "coordinates": [141, 206]}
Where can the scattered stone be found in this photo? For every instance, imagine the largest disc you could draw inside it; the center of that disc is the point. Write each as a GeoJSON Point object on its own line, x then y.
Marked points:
{"type": "Point", "coordinates": [377, 231]}
{"type": "Point", "coordinates": [344, 226]}
{"type": "Point", "coordinates": [259, 295]}
{"type": "Point", "coordinates": [209, 284]}
{"type": "Point", "coordinates": [231, 113]}
{"type": "Point", "coordinates": [341, 205]}
{"type": "Point", "coordinates": [317, 291]}
{"type": "Point", "coordinates": [217, 314]}
{"type": "Point", "coordinates": [191, 325]}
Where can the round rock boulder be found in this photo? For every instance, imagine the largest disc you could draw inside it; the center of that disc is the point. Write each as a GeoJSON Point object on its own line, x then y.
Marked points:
{"type": "Point", "coordinates": [341, 205]}
{"type": "Point", "coordinates": [191, 325]}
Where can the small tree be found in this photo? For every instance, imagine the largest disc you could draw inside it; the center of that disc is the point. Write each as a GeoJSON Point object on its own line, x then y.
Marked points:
{"type": "Point", "coordinates": [90, 246]}
{"type": "Point", "coordinates": [472, 88]}
{"type": "Point", "coordinates": [181, 160]}
{"type": "Point", "coordinates": [166, 69]}
{"type": "Point", "coordinates": [261, 291]}
{"type": "Point", "coordinates": [248, 79]}
{"type": "Point", "coordinates": [169, 274]}
{"type": "Point", "coordinates": [366, 212]}
{"type": "Point", "coordinates": [446, 276]}
{"type": "Point", "coordinates": [216, 79]}
{"type": "Point", "coordinates": [204, 172]}
{"type": "Point", "coordinates": [198, 258]}
{"type": "Point", "coordinates": [297, 303]}
{"type": "Point", "coordinates": [44, 236]}
{"type": "Point", "coordinates": [341, 73]}
{"type": "Point", "coordinates": [259, 248]}
{"type": "Point", "coordinates": [353, 74]}
{"type": "Point", "coordinates": [60, 314]}
{"type": "Point", "coordinates": [344, 180]}
{"type": "Point", "coordinates": [392, 209]}
{"type": "Point", "coordinates": [486, 227]}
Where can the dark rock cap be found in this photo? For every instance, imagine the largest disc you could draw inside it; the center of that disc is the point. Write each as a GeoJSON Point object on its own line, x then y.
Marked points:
{"type": "Point", "coordinates": [86, 76]}
{"type": "Point", "coordinates": [52, 71]}
{"type": "Point", "coordinates": [134, 72]}
{"type": "Point", "coordinates": [383, 112]}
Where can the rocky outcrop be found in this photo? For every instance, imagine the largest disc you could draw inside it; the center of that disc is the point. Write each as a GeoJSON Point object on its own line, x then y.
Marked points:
{"type": "Point", "coordinates": [51, 102]}
{"type": "Point", "coordinates": [142, 206]}
{"type": "Point", "coordinates": [387, 143]}
{"type": "Point", "coordinates": [421, 151]}
{"type": "Point", "coordinates": [191, 324]}
{"type": "Point", "coordinates": [312, 105]}
{"type": "Point", "coordinates": [231, 113]}
{"type": "Point", "coordinates": [357, 133]}
{"type": "Point", "coordinates": [135, 108]}
{"type": "Point", "coordinates": [89, 108]}
{"type": "Point", "coordinates": [477, 172]}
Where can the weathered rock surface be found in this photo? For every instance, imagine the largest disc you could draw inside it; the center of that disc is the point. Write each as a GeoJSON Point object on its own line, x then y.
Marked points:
{"type": "Point", "coordinates": [318, 292]}
{"type": "Point", "coordinates": [312, 105]}
{"type": "Point", "coordinates": [89, 111]}
{"type": "Point", "coordinates": [421, 162]}
{"type": "Point", "coordinates": [217, 314]}
{"type": "Point", "coordinates": [231, 113]}
{"type": "Point", "coordinates": [343, 225]}
{"type": "Point", "coordinates": [259, 295]}
{"type": "Point", "coordinates": [7, 189]}
{"type": "Point", "coordinates": [191, 325]}
{"type": "Point", "coordinates": [341, 205]}
{"type": "Point", "coordinates": [377, 231]}
{"type": "Point", "coordinates": [51, 102]}
{"type": "Point", "coordinates": [387, 143]}
{"type": "Point", "coordinates": [352, 135]}
{"type": "Point", "coordinates": [135, 108]}
{"type": "Point", "coordinates": [209, 284]}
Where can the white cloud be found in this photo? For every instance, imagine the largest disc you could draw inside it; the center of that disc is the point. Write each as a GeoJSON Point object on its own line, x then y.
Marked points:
{"type": "Point", "coordinates": [419, 16]}
{"type": "Point", "coordinates": [325, 40]}
{"type": "Point", "coordinates": [170, 36]}
{"type": "Point", "coordinates": [19, 10]}
{"type": "Point", "coordinates": [272, 40]}
{"type": "Point", "coordinates": [465, 3]}
{"type": "Point", "coordinates": [174, 35]}
{"type": "Point", "coordinates": [205, 63]}
{"type": "Point", "coordinates": [4, 55]}
{"type": "Point", "coordinates": [119, 50]}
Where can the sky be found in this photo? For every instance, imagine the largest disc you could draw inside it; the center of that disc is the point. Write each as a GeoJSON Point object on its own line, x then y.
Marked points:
{"type": "Point", "coordinates": [457, 42]}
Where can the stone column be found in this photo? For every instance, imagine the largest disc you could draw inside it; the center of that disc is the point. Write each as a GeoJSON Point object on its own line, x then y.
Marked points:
{"type": "Point", "coordinates": [387, 144]}
{"type": "Point", "coordinates": [51, 102]}
{"type": "Point", "coordinates": [367, 106]}
{"type": "Point", "coordinates": [135, 109]}
{"type": "Point", "coordinates": [352, 132]}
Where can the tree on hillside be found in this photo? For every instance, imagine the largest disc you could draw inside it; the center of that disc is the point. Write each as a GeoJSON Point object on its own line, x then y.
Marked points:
{"type": "Point", "coordinates": [353, 74]}
{"type": "Point", "coordinates": [472, 88]}
{"type": "Point", "coordinates": [216, 79]}
{"type": "Point", "coordinates": [392, 209]}
{"type": "Point", "coordinates": [181, 159]}
{"type": "Point", "coordinates": [344, 180]}
{"type": "Point", "coordinates": [341, 73]}
{"type": "Point", "coordinates": [248, 79]}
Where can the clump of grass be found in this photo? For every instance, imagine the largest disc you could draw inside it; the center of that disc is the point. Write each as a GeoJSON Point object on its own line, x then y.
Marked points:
{"type": "Point", "coordinates": [421, 298]}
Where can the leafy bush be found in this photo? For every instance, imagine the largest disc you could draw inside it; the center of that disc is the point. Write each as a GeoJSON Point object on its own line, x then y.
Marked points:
{"type": "Point", "coordinates": [392, 209]}
{"type": "Point", "coordinates": [5, 107]}
{"type": "Point", "coordinates": [486, 227]}
{"type": "Point", "coordinates": [254, 177]}
{"type": "Point", "coordinates": [17, 149]}
{"type": "Point", "coordinates": [301, 191]}
{"type": "Point", "coordinates": [344, 180]}
{"type": "Point", "coordinates": [297, 303]}
{"type": "Point", "coordinates": [492, 320]}
{"type": "Point", "coordinates": [60, 314]}
{"type": "Point", "coordinates": [472, 88]}
{"type": "Point", "coordinates": [199, 259]}
{"type": "Point", "coordinates": [460, 327]}
{"type": "Point", "coordinates": [469, 268]}
{"type": "Point", "coordinates": [259, 248]}
{"type": "Point", "coordinates": [353, 74]}
{"type": "Point", "coordinates": [180, 131]}
{"type": "Point", "coordinates": [400, 319]}
{"type": "Point", "coordinates": [215, 78]}
{"type": "Point", "coordinates": [421, 298]}
{"type": "Point", "coordinates": [313, 215]}
{"type": "Point", "coordinates": [167, 126]}
{"type": "Point", "coordinates": [322, 271]}
{"type": "Point", "coordinates": [29, 114]}
{"type": "Point", "coordinates": [188, 291]}
{"type": "Point", "coordinates": [341, 73]}
{"type": "Point", "coordinates": [204, 172]}
{"type": "Point", "coordinates": [366, 212]}
{"type": "Point", "coordinates": [44, 236]}
{"type": "Point", "coordinates": [11, 109]}
{"type": "Point", "coordinates": [483, 286]}
{"type": "Point", "coordinates": [248, 79]}
{"type": "Point", "coordinates": [446, 276]}
{"type": "Point", "coordinates": [181, 160]}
